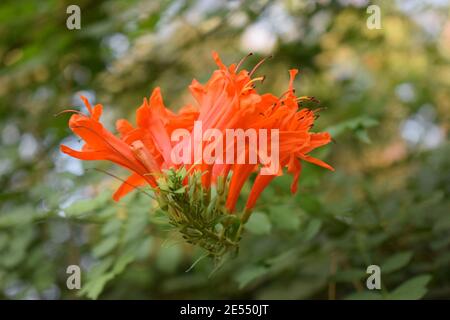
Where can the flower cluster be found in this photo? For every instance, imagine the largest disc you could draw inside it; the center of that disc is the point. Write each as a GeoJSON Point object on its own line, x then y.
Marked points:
{"type": "Point", "coordinates": [228, 100]}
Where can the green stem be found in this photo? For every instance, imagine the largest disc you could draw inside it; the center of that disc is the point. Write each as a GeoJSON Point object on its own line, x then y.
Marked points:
{"type": "Point", "coordinates": [246, 215]}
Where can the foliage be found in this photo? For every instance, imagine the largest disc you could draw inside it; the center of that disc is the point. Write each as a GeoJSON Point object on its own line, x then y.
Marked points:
{"type": "Point", "coordinates": [386, 204]}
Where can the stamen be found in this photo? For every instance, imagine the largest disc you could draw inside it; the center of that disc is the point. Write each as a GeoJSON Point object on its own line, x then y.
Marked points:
{"type": "Point", "coordinates": [307, 98]}
{"type": "Point", "coordinates": [243, 60]}
{"type": "Point", "coordinates": [68, 111]}
{"type": "Point", "coordinates": [319, 109]}
{"type": "Point", "coordinates": [124, 181]}
{"type": "Point", "coordinates": [249, 85]}
{"type": "Point", "coordinates": [284, 94]}
{"type": "Point", "coordinates": [258, 65]}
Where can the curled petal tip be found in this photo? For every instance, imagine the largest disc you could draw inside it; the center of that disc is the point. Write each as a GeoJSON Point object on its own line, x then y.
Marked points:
{"type": "Point", "coordinates": [218, 61]}
{"type": "Point", "coordinates": [86, 103]}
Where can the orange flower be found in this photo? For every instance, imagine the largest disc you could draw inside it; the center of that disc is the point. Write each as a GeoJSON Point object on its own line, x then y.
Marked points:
{"type": "Point", "coordinates": [144, 150]}
{"type": "Point", "coordinates": [228, 100]}
{"type": "Point", "coordinates": [295, 141]}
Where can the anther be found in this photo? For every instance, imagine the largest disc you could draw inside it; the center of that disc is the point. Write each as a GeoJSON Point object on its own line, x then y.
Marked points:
{"type": "Point", "coordinates": [243, 60]}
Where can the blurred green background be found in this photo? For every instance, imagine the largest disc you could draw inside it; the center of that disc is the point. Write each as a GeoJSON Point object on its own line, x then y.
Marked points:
{"type": "Point", "coordinates": [387, 99]}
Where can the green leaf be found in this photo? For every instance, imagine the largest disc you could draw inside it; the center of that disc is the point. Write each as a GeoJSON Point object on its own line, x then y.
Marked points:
{"type": "Point", "coordinates": [285, 218]}
{"type": "Point", "coordinates": [349, 275]}
{"type": "Point", "coordinates": [354, 124]}
{"type": "Point", "coordinates": [99, 276]}
{"type": "Point", "coordinates": [80, 207]}
{"type": "Point", "coordinates": [20, 216]}
{"type": "Point", "coordinates": [312, 229]}
{"type": "Point", "coordinates": [111, 227]}
{"type": "Point", "coordinates": [362, 135]}
{"type": "Point", "coordinates": [83, 207]}
{"type": "Point", "coordinates": [396, 262]}
{"type": "Point", "coordinates": [283, 260]}
{"type": "Point", "coordinates": [3, 241]}
{"type": "Point", "coordinates": [105, 246]}
{"type": "Point", "coordinates": [258, 223]}
{"type": "Point", "coordinates": [249, 274]}
{"type": "Point", "coordinates": [168, 258]}
{"type": "Point", "coordinates": [135, 226]}
{"type": "Point", "coordinates": [93, 288]}
{"type": "Point", "coordinates": [122, 262]}
{"type": "Point", "coordinates": [100, 268]}
{"type": "Point", "coordinates": [413, 289]}
{"type": "Point", "coordinates": [364, 295]}
{"type": "Point", "coordinates": [145, 248]}
{"type": "Point", "coordinates": [181, 190]}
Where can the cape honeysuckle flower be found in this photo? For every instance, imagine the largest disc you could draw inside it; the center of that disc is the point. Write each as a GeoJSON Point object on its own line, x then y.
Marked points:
{"type": "Point", "coordinates": [228, 101]}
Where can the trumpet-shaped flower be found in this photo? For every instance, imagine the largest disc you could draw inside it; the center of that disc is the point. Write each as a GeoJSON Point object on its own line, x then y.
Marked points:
{"type": "Point", "coordinates": [227, 101]}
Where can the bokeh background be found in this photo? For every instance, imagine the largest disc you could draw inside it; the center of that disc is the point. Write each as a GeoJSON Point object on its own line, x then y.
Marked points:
{"type": "Point", "coordinates": [387, 99]}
